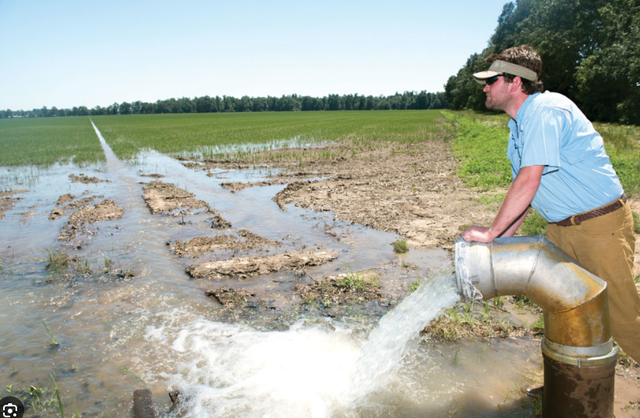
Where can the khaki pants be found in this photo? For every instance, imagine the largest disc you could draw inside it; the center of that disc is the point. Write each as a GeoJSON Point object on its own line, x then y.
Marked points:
{"type": "Point", "coordinates": [606, 246]}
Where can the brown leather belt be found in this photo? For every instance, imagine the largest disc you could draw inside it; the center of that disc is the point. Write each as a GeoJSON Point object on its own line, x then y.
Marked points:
{"type": "Point", "coordinates": [578, 219]}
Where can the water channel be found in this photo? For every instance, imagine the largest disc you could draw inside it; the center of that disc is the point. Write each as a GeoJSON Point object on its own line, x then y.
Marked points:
{"type": "Point", "coordinates": [157, 329]}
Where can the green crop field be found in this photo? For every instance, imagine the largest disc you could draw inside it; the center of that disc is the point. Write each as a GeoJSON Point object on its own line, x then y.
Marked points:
{"type": "Point", "coordinates": [480, 143]}
{"type": "Point", "coordinates": [205, 134]}
{"type": "Point", "coordinates": [45, 141]}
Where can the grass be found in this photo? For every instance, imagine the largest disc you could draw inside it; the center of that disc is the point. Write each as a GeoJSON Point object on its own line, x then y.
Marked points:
{"type": "Point", "coordinates": [53, 341]}
{"type": "Point", "coordinates": [46, 141]}
{"type": "Point", "coordinates": [415, 285]}
{"type": "Point", "coordinates": [622, 143]}
{"type": "Point", "coordinates": [469, 321]}
{"type": "Point", "coordinates": [242, 136]}
{"type": "Point", "coordinates": [481, 146]}
{"type": "Point", "coordinates": [354, 281]}
{"type": "Point", "coordinates": [58, 263]}
{"type": "Point", "coordinates": [128, 371]}
{"type": "Point", "coordinates": [237, 136]}
{"type": "Point", "coordinates": [57, 392]}
{"type": "Point", "coordinates": [400, 246]}
{"type": "Point", "coordinates": [41, 399]}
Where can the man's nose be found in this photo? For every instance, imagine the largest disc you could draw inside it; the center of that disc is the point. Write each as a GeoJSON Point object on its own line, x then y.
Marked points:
{"type": "Point", "coordinates": [486, 88]}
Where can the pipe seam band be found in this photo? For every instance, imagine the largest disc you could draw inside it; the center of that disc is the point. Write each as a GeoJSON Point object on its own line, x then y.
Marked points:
{"type": "Point", "coordinates": [597, 359]}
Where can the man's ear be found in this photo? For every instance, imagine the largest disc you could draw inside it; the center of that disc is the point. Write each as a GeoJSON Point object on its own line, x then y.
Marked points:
{"type": "Point", "coordinates": [516, 84]}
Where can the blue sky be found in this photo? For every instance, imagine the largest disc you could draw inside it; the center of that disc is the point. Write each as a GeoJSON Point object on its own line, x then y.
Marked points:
{"type": "Point", "coordinates": [88, 53]}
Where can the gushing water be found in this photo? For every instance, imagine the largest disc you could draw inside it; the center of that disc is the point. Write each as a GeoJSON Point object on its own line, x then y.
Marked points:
{"type": "Point", "coordinates": [398, 332]}
{"type": "Point", "coordinates": [316, 369]}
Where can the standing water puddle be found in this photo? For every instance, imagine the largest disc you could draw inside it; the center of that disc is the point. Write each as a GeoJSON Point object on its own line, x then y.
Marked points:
{"type": "Point", "coordinates": [155, 328]}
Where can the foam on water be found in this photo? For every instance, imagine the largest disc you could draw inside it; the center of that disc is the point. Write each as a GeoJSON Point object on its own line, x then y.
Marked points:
{"type": "Point", "coordinates": [311, 370]}
{"type": "Point", "coordinates": [233, 370]}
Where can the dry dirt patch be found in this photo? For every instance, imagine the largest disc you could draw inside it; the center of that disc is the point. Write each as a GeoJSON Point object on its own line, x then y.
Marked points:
{"type": "Point", "coordinates": [409, 189]}
{"type": "Point", "coordinates": [68, 202]}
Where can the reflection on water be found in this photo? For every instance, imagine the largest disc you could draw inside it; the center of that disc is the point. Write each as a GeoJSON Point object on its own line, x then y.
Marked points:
{"type": "Point", "coordinates": [159, 330]}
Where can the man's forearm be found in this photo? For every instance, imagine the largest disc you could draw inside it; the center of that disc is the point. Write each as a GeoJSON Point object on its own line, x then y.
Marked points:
{"type": "Point", "coordinates": [513, 210]}
{"type": "Point", "coordinates": [517, 202]}
{"type": "Point", "coordinates": [514, 226]}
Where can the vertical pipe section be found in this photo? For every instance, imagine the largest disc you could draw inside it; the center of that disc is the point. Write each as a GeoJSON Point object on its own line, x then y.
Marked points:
{"type": "Point", "coordinates": [579, 356]}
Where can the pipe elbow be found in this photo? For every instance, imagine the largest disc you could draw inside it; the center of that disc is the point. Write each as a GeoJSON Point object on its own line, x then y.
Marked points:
{"type": "Point", "coordinates": [574, 301]}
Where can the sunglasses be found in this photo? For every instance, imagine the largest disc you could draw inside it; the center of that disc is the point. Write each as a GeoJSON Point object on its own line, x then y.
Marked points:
{"type": "Point", "coordinates": [490, 81]}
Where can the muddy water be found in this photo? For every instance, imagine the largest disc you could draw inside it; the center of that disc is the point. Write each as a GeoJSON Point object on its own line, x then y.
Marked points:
{"type": "Point", "coordinates": [157, 329]}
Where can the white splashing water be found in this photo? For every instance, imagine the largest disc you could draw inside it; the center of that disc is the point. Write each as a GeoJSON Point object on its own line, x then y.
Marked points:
{"type": "Point", "coordinates": [398, 333]}
{"type": "Point", "coordinates": [308, 370]}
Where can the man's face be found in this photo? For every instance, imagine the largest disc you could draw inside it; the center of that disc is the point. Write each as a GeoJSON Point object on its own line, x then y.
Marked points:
{"type": "Point", "coordinates": [497, 92]}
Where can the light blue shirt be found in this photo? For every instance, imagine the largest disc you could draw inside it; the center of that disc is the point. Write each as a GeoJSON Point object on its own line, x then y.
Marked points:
{"type": "Point", "coordinates": [550, 130]}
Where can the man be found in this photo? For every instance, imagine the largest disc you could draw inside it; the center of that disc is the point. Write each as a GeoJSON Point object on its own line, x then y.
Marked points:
{"type": "Point", "coordinates": [560, 167]}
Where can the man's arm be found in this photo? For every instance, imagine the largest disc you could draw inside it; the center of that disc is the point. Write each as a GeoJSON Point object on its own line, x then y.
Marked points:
{"type": "Point", "coordinates": [514, 208]}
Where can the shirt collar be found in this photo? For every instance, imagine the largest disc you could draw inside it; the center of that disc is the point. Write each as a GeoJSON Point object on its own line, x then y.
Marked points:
{"type": "Point", "coordinates": [524, 107]}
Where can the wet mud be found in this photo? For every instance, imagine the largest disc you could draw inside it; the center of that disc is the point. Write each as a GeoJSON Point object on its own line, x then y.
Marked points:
{"type": "Point", "coordinates": [81, 221]}
{"type": "Point", "coordinates": [198, 246]}
{"type": "Point", "coordinates": [168, 199]}
{"type": "Point", "coordinates": [409, 189]}
{"type": "Point", "coordinates": [8, 200]}
{"type": "Point", "coordinates": [352, 287]}
{"type": "Point", "coordinates": [245, 267]}
{"type": "Point", "coordinates": [81, 178]}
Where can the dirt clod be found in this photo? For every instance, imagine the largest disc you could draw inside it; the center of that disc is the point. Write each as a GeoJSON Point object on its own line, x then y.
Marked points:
{"type": "Point", "coordinates": [343, 288]}
{"type": "Point", "coordinates": [85, 179]}
{"type": "Point", "coordinates": [231, 298]}
{"type": "Point", "coordinates": [107, 210]}
{"type": "Point", "coordinates": [245, 267]}
{"type": "Point", "coordinates": [197, 246]}
{"type": "Point", "coordinates": [167, 198]}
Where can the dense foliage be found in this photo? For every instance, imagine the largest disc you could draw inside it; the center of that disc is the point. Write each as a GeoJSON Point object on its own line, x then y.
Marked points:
{"type": "Point", "coordinates": [590, 51]}
{"type": "Point", "coordinates": [206, 104]}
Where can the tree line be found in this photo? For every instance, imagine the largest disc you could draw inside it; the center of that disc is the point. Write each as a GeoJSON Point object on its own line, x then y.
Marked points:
{"type": "Point", "coordinates": [590, 51]}
{"type": "Point", "coordinates": [206, 104]}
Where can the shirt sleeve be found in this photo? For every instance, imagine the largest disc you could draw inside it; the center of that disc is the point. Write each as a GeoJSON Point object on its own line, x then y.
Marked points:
{"type": "Point", "coordinates": [543, 138]}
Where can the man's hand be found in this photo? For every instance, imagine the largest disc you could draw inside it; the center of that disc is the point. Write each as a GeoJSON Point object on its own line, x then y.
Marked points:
{"type": "Point", "coordinates": [477, 234]}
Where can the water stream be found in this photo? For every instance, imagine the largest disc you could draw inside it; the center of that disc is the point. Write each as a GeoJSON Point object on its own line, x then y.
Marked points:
{"type": "Point", "coordinates": [158, 330]}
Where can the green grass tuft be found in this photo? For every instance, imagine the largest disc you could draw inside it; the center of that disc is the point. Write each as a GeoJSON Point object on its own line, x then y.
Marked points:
{"type": "Point", "coordinates": [400, 246]}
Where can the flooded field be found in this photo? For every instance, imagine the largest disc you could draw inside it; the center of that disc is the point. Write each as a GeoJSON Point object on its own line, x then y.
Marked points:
{"type": "Point", "coordinates": [98, 296]}
{"type": "Point", "coordinates": [170, 275]}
